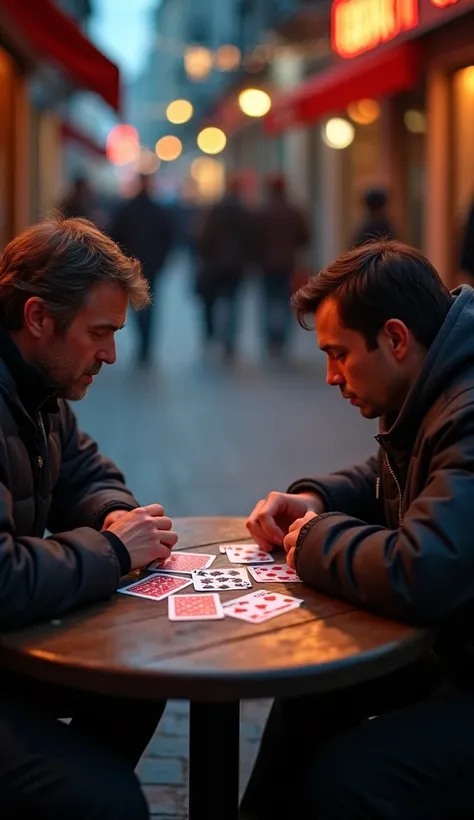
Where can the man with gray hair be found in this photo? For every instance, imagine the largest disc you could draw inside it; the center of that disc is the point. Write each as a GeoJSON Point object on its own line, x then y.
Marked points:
{"type": "Point", "coordinates": [64, 292]}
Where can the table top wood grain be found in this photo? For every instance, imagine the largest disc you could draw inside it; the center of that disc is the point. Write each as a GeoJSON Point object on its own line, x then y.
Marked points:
{"type": "Point", "coordinates": [127, 646]}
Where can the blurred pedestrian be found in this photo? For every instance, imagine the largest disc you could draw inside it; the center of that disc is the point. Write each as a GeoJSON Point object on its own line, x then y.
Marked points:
{"type": "Point", "coordinates": [79, 202]}
{"type": "Point", "coordinates": [282, 231]}
{"type": "Point", "coordinates": [144, 230]}
{"type": "Point", "coordinates": [225, 249]}
{"type": "Point", "coordinates": [376, 224]}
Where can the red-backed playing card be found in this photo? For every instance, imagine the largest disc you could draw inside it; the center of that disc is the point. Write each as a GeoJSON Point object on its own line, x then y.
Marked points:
{"type": "Point", "coordinates": [156, 587]}
{"type": "Point", "coordinates": [275, 573]}
{"type": "Point", "coordinates": [195, 607]}
{"type": "Point", "coordinates": [183, 562]}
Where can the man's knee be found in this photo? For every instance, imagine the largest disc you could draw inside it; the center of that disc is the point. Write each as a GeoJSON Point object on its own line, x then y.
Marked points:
{"type": "Point", "coordinates": [343, 783]}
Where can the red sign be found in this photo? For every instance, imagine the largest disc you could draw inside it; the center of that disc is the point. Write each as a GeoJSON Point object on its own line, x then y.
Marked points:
{"type": "Point", "coordinates": [361, 25]}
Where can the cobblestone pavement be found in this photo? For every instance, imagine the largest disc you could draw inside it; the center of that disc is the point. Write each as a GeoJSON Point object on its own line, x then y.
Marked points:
{"type": "Point", "coordinates": [203, 439]}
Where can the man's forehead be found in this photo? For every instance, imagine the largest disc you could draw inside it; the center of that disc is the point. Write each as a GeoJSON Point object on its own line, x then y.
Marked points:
{"type": "Point", "coordinates": [106, 304]}
{"type": "Point", "coordinates": [327, 320]}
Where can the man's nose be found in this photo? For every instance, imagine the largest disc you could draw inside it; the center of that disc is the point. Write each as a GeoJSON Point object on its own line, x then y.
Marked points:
{"type": "Point", "coordinates": [108, 354]}
{"type": "Point", "coordinates": [334, 376]}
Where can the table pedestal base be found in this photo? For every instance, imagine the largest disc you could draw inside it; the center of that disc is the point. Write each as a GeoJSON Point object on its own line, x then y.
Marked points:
{"type": "Point", "coordinates": [214, 733]}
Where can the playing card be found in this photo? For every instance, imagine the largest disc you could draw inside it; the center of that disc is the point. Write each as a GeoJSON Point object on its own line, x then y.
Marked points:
{"type": "Point", "coordinates": [275, 573]}
{"type": "Point", "coordinates": [221, 579]}
{"type": "Point", "coordinates": [156, 586]}
{"type": "Point", "coordinates": [223, 548]}
{"type": "Point", "coordinates": [195, 607]}
{"type": "Point", "coordinates": [247, 554]}
{"type": "Point", "coordinates": [260, 606]}
{"type": "Point", "coordinates": [184, 562]}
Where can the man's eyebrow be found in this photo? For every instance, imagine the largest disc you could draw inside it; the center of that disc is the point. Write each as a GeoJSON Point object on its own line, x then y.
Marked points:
{"type": "Point", "coordinates": [327, 348]}
{"type": "Point", "coordinates": [107, 326]}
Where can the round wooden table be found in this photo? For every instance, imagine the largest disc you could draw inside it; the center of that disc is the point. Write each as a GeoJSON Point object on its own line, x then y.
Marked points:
{"type": "Point", "coordinates": [127, 646]}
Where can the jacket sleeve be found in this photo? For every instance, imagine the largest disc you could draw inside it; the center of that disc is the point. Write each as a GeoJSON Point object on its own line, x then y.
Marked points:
{"type": "Point", "coordinates": [353, 490]}
{"type": "Point", "coordinates": [421, 572]}
{"type": "Point", "coordinates": [89, 486]}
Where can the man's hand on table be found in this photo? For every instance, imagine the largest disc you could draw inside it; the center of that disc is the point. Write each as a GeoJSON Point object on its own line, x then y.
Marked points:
{"type": "Point", "coordinates": [290, 540]}
{"type": "Point", "coordinates": [273, 517]}
{"type": "Point", "coordinates": [146, 533]}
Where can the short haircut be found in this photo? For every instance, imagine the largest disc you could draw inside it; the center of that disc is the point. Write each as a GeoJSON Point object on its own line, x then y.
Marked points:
{"type": "Point", "coordinates": [374, 283]}
{"type": "Point", "coordinates": [59, 260]}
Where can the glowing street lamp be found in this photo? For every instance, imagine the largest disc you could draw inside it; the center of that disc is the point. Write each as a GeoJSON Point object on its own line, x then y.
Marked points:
{"type": "Point", "coordinates": [254, 102]}
{"type": "Point", "coordinates": [338, 133]}
{"type": "Point", "coordinates": [179, 112]}
{"type": "Point", "coordinates": [168, 148]}
{"type": "Point", "coordinates": [211, 140]}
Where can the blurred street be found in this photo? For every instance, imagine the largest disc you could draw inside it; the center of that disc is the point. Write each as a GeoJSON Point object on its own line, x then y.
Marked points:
{"type": "Point", "coordinates": [203, 439]}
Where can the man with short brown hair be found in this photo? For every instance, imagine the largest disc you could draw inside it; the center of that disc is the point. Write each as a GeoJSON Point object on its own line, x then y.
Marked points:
{"type": "Point", "coordinates": [64, 293]}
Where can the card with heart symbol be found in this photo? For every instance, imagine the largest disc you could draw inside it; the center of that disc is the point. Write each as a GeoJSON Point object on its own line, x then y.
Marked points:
{"type": "Point", "coordinates": [260, 606]}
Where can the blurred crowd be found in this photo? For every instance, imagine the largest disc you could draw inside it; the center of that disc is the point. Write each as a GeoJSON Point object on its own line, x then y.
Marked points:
{"type": "Point", "coordinates": [228, 242]}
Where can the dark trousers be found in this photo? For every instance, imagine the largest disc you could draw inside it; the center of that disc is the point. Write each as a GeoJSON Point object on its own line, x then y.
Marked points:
{"type": "Point", "coordinates": [146, 320]}
{"type": "Point", "coordinates": [221, 311]}
{"type": "Point", "coordinates": [82, 771]}
{"type": "Point", "coordinates": [276, 309]}
{"type": "Point", "coordinates": [322, 759]}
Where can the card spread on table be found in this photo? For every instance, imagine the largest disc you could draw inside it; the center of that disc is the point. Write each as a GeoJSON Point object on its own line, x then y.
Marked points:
{"type": "Point", "coordinates": [223, 548]}
{"type": "Point", "coordinates": [247, 554]}
{"type": "Point", "coordinates": [202, 607]}
{"type": "Point", "coordinates": [221, 579]}
{"type": "Point", "coordinates": [277, 573]}
{"type": "Point", "coordinates": [156, 586]}
{"type": "Point", "coordinates": [183, 562]}
{"type": "Point", "coordinates": [260, 606]}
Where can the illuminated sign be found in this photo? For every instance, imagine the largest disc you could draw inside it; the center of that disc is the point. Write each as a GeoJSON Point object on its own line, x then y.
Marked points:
{"type": "Point", "coordinates": [360, 25]}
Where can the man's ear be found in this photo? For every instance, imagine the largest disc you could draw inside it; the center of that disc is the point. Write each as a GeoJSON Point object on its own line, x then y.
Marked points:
{"type": "Point", "coordinates": [37, 320]}
{"type": "Point", "coordinates": [398, 337]}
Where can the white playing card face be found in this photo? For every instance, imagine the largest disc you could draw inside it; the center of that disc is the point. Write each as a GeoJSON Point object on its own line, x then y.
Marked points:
{"type": "Point", "coordinates": [202, 607]}
{"type": "Point", "coordinates": [277, 573]}
{"type": "Point", "coordinates": [183, 563]}
{"type": "Point", "coordinates": [248, 554]}
{"type": "Point", "coordinates": [223, 548]}
{"type": "Point", "coordinates": [156, 586]}
{"type": "Point", "coordinates": [258, 607]}
{"type": "Point", "coordinates": [205, 580]}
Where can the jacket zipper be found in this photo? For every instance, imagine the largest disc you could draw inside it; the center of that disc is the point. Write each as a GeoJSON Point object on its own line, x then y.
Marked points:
{"type": "Point", "coordinates": [397, 483]}
{"type": "Point", "coordinates": [40, 461]}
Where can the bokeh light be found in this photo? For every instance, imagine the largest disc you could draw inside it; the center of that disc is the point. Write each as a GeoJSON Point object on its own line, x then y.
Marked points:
{"type": "Point", "coordinates": [211, 140]}
{"type": "Point", "coordinates": [122, 145]}
{"type": "Point", "coordinates": [227, 58]}
{"type": "Point", "coordinates": [209, 175]}
{"type": "Point", "coordinates": [255, 102]}
{"type": "Point", "coordinates": [168, 148]}
{"type": "Point", "coordinates": [147, 162]}
{"type": "Point", "coordinates": [338, 133]}
{"type": "Point", "coordinates": [179, 112]}
{"type": "Point", "coordinates": [415, 121]}
{"type": "Point", "coordinates": [197, 62]}
{"type": "Point", "coordinates": [364, 112]}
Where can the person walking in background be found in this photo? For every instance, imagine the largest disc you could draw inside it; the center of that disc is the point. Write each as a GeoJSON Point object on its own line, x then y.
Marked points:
{"type": "Point", "coordinates": [79, 202]}
{"type": "Point", "coordinates": [225, 248]}
{"type": "Point", "coordinates": [282, 232]}
{"type": "Point", "coordinates": [144, 230]}
{"type": "Point", "coordinates": [376, 224]}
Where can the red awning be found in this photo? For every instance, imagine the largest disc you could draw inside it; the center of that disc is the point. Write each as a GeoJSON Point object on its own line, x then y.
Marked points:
{"type": "Point", "coordinates": [55, 36]}
{"type": "Point", "coordinates": [374, 75]}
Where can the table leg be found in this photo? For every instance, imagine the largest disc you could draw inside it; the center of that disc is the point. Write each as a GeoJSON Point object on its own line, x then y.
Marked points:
{"type": "Point", "coordinates": [214, 761]}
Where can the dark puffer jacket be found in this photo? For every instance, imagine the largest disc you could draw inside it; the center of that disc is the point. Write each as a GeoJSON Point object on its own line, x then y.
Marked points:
{"type": "Point", "coordinates": [398, 534]}
{"type": "Point", "coordinates": [52, 477]}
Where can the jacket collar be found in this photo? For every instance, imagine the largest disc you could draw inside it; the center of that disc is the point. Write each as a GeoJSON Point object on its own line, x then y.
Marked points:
{"type": "Point", "coordinates": [22, 380]}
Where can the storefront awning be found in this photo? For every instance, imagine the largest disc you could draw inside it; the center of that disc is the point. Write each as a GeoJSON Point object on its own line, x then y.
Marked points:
{"type": "Point", "coordinates": [375, 76]}
{"type": "Point", "coordinates": [53, 35]}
